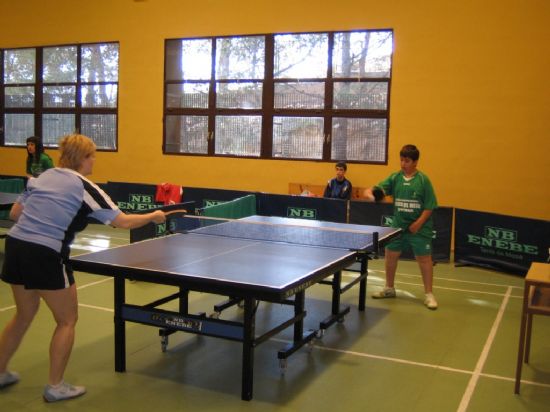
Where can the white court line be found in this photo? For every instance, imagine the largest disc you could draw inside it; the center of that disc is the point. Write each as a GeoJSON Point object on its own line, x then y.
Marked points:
{"type": "Point", "coordinates": [454, 280]}
{"type": "Point", "coordinates": [395, 360]}
{"type": "Point", "coordinates": [87, 285]}
{"type": "Point", "coordinates": [96, 307]}
{"type": "Point", "coordinates": [453, 289]}
{"type": "Point", "coordinates": [78, 288]}
{"type": "Point", "coordinates": [368, 355]}
{"type": "Point", "coordinates": [421, 364]}
{"type": "Point", "coordinates": [466, 290]}
{"type": "Point", "coordinates": [505, 378]}
{"type": "Point", "coordinates": [483, 357]}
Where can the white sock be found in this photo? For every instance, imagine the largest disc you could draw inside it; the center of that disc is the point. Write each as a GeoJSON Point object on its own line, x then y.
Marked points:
{"type": "Point", "coordinates": [57, 386]}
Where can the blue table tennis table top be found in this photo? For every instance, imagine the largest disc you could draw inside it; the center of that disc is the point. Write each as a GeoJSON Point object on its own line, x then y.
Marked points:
{"type": "Point", "coordinates": [212, 261]}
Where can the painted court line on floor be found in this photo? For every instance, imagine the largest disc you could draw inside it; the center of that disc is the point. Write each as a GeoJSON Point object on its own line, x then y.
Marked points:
{"type": "Point", "coordinates": [465, 290]}
{"type": "Point", "coordinates": [7, 308]}
{"type": "Point", "coordinates": [84, 305]}
{"type": "Point", "coordinates": [484, 354]}
{"type": "Point", "coordinates": [452, 280]}
{"type": "Point", "coordinates": [87, 285]}
{"type": "Point", "coordinates": [421, 364]}
{"type": "Point", "coordinates": [453, 289]}
{"type": "Point", "coordinates": [387, 358]}
{"type": "Point", "coordinates": [505, 378]}
{"type": "Point", "coordinates": [4, 309]}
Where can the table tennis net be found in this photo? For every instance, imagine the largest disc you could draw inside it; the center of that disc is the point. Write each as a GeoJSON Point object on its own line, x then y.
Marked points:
{"type": "Point", "coordinates": [301, 235]}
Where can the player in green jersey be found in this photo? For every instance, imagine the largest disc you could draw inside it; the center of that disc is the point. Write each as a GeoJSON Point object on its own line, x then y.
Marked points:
{"type": "Point", "coordinates": [413, 203]}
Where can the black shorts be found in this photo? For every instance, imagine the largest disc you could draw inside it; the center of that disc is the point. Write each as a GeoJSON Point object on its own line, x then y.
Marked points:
{"type": "Point", "coordinates": [35, 266]}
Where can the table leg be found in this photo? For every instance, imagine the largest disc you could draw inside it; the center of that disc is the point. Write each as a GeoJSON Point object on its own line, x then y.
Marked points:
{"type": "Point", "coordinates": [336, 286]}
{"type": "Point", "coordinates": [299, 306]}
{"type": "Point", "coordinates": [521, 339]}
{"type": "Point", "coordinates": [184, 301]}
{"type": "Point", "coordinates": [120, 327]}
{"type": "Point", "coordinates": [248, 348]}
{"type": "Point", "coordinates": [528, 337]}
{"type": "Point", "coordinates": [363, 283]}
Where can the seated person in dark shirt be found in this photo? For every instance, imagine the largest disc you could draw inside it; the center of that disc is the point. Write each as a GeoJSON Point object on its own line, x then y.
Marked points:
{"type": "Point", "coordinates": [339, 187]}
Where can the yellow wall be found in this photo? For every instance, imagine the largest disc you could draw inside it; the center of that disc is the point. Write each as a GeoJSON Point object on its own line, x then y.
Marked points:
{"type": "Point", "coordinates": [470, 87]}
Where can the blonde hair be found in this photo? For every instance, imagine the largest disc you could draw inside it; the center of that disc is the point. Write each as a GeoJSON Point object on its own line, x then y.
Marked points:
{"type": "Point", "coordinates": [74, 149]}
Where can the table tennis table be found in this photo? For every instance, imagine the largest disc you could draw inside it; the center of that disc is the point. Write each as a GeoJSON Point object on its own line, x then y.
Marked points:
{"type": "Point", "coordinates": [7, 200]}
{"type": "Point", "coordinates": [250, 260]}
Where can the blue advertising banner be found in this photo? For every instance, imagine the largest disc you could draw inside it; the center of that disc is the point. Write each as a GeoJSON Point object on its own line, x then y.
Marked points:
{"type": "Point", "coordinates": [501, 242]}
{"type": "Point", "coordinates": [302, 207]}
{"type": "Point", "coordinates": [132, 197]}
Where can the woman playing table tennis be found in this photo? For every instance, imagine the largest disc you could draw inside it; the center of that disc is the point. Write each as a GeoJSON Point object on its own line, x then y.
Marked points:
{"type": "Point", "coordinates": [55, 206]}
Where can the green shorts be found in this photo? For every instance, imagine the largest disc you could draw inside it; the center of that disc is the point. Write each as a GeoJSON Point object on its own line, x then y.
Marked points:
{"type": "Point", "coordinates": [420, 245]}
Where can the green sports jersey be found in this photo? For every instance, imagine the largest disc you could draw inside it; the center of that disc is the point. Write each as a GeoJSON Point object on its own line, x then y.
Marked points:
{"type": "Point", "coordinates": [410, 198]}
{"type": "Point", "coordinates": [36, 168]}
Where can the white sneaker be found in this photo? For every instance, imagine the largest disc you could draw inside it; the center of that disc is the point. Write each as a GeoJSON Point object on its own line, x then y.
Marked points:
{"type": "Point", "coordinates": [8, 378]}
{"type": "Point", "coordinates": [430, 301]}
{"type": "Point", "coordinates": [384, 293]}
{"type": "Point", "coordinates": [62, 391]}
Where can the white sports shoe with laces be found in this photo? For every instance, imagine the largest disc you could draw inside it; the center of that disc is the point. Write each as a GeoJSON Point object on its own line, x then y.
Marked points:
{"type": "Point", "coordinates": [62, 391]}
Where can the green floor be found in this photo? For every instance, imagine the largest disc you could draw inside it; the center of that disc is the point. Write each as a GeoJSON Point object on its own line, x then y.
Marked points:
{"type": "Point", "coordinates": [395, 356]}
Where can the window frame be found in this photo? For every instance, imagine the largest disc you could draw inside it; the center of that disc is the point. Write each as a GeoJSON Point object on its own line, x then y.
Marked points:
{"type": "Point", "coordinates": [268, 110]}
{"type": "Point", "coordinates": [39, 110]}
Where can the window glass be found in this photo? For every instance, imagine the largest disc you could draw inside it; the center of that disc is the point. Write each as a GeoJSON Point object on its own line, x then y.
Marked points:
{"type": "Point", "coordinates": [247, 95]}
{"type": "Point", "coordinates": [17, 127]}
{"type": "Point", "coordinates": [238, 135]}
{"type": "Point", "coordinates": [359, 139]}
{"type": "Point", "coordinates": [60, 64]}
{"type": "Point", "coordinates": [187, 134]}
{"type": "Point", "coordinates": [19, 96]}
{"type": "Point", "coordinates": [59, 96]}
{"type": "Point", "coordinates": [362, 54]}
{"type": "Point", "coordinates": [101, 128]}
{"type": "Point", "coordinates": [19, 66]}
{"type": "Point", "coordinates": [301, 56]}
{"type": "Point", "coordinates": [240, 57]}
{"type": "Point", "coordinates": [304, 95]}
{"type": "Point", "coordinates": [99, 63]}
{"type": "Point", "coordinates": [361, 95]}
{"type": "Point", "coordinates": [189, 95]}
{"type": "Point", "coordinates": [54, 126]}
{"type": "Point", "coordinates": [298, 137]}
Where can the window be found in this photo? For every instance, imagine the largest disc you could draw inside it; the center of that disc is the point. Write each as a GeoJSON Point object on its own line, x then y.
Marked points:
{"type": "Point", "coordinates": [54, 91]}
{"type": "Point", "coordinates": [308, 96]}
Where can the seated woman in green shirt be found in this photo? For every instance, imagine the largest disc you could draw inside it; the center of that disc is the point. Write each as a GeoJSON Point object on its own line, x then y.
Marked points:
{"type": "Point", "coordinates": [37, 160]}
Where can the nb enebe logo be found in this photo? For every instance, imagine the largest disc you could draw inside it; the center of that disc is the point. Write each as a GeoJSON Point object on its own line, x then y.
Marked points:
{"type": "Point", "coordinates": [502, 239]}
{"type": "Point", "coordinates": [160, 229]}
{"type": "Point", "coordinates": [299, 212]}
{"type": "Point", "coordinates": [137, 202]}
{"type": "Point", "coordinates": [208, 202]}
